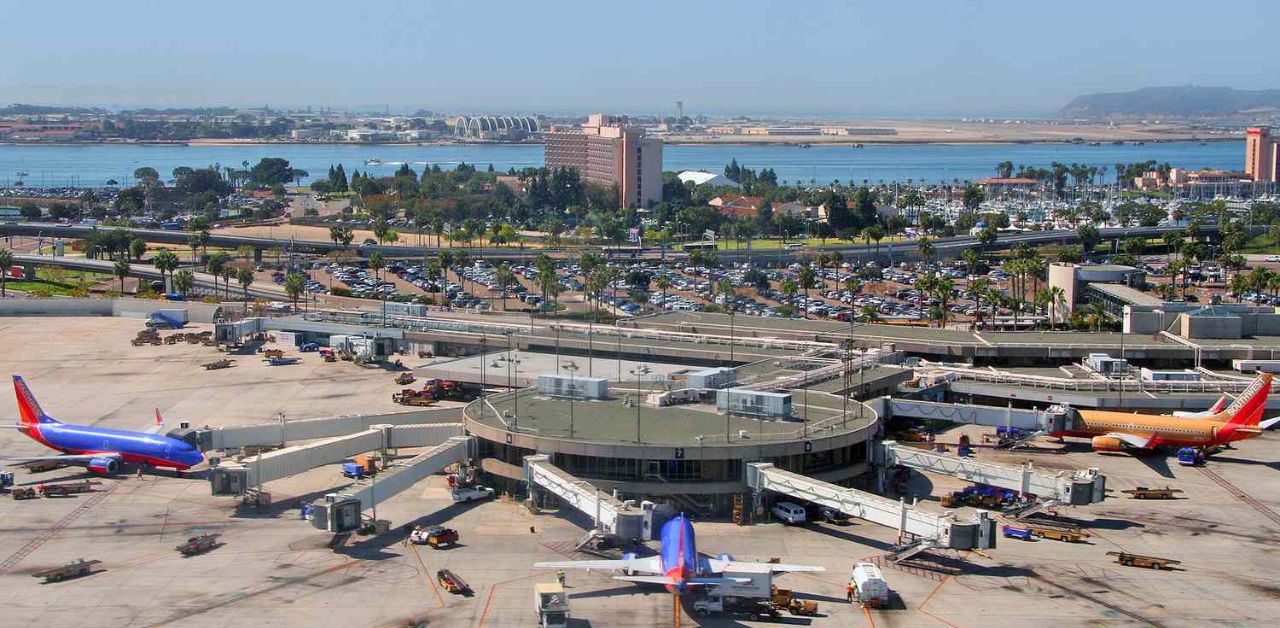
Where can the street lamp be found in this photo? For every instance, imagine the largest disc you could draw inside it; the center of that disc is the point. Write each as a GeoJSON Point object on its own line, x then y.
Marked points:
{"type": "Point", "coordinates": [639, 370]}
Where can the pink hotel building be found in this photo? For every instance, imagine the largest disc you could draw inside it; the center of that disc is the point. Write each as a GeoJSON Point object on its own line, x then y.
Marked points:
{"type": "Point", "coordinates": [1261, 155]}
{"type": "Point", "coordinates": [607, 151]}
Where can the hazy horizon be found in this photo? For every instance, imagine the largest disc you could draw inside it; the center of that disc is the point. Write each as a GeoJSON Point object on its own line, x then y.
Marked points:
{"type": "Point", "coordinates": [762, 57]}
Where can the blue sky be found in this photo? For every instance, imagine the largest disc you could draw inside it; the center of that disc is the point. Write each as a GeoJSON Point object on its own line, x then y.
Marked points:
{"type": "Point", "coordinates": [904, 58]}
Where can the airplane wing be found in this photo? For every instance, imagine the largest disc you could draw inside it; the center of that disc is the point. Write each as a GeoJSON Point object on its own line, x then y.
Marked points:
{"type": "Point", "coordinates": [704, 582]}
{"type": "Point", "coordinates": [70, 459]}
{"type": "Point", "coordinates": [159, 425]}
{"type": "Point", "coordinates": [1133, 440]}
{"type": "Point", "coordinates": [720, 566]}
{"type": "Point", "coordinates": [650, 564]}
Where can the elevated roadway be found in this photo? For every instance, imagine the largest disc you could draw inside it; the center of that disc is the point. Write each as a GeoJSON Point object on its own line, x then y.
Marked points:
{"type": "Point", "coordinates": [944, 247]}
{"type": "Point", "coordinates": [202, 279]}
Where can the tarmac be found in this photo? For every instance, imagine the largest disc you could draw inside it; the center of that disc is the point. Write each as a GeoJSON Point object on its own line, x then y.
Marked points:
{"type": "Point", "coordinates": [274, 569]}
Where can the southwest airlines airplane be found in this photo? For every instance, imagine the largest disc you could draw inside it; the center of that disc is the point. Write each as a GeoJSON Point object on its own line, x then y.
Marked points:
{"type": "Point", "coordinates": [100, 449]}
{"type": "Point", "coordinates": [1118, 431]}
{"type": "Point", "coordinates": [678, 566]}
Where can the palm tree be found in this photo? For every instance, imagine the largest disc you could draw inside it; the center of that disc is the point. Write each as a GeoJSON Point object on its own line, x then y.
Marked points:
{"type": "Point", "coordinates": [942, 289]}
{"type": "Point", "coordinates": [925, 247]}
{"type": "Point", "coordinates": [377, 262]}
{"type": "Point", "coordinates": [6, 262]}
{"type": "Point", "coordinates": [120, 270]}
{"type": "Point", "coordinates": [138, 248]}
{"type": "Point", "coordinates": [971, 260]}
{"type": "Point", "coordinates": [227, 273]}
{"type": "Point", "coordinates": [977, 289]}
{"type": "Point", "coordinates": [294, 286]}
{"type": "Point", "coordinates": [446, 260]}
{"type": "Point", "coordinates": [1095, 313]}
{"type": "Point", "coordinates": [183, 281]}
{"type": "Point", "coordinates": [789, 290]}
{"type": "Point", "coordinates": [165, 262]}
{"type": "Point", "coordinates": [548, 281]}
{"type": "Point", "coordinates": [806, 282]}
{"type": "Point", "coordinates": [1057, 300]}
{"type": "Point", "coordinates": [245, 277]}
{"type": "Point", "coordinates": [663, 283]}
{"type": "Point", "coordinates": [505, 278]}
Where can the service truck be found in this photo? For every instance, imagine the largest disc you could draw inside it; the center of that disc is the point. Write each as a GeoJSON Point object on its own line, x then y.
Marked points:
{"type": "Point", "coordinates": [551, 603]}
{"type": "Point", "coordinates": [869, 587]}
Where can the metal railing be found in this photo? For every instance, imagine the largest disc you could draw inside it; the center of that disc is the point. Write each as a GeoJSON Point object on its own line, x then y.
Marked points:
{"type": "Point", "coordinates": [1087, 385]}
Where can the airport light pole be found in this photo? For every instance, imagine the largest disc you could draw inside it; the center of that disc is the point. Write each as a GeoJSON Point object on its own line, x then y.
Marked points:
{"type": "Point", "coordinates": [639, 370]}
{"type": "Point", "coordinates": [572, 367]}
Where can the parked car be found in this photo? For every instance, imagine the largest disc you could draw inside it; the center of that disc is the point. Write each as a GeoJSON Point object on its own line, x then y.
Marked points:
{"type": "Point", "coordinates": [472, 494]}
{"type": "Point", "coordinates": [789, 512]}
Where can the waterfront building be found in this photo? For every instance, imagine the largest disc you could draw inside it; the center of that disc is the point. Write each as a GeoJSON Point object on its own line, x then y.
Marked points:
{"type": "Point", "coordinates": [608, 151]}
{"type": "Point", "coordinates": [1261, 155]}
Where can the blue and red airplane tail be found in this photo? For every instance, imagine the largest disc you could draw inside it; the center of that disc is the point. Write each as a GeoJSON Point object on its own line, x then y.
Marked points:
{"type": "Point", "coordinates": [29, 412]}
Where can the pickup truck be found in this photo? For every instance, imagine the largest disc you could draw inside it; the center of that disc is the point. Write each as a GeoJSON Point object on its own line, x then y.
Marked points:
{"type": "Point", "coordinates": [472, 494]}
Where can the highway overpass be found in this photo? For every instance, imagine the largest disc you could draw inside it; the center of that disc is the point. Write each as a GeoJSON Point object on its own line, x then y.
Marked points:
{"type": "Point", "coordinates": [148, 272]}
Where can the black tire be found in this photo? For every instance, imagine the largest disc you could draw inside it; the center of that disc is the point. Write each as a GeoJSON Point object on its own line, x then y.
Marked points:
{"type": "Point", "coordinates": [702, 612]}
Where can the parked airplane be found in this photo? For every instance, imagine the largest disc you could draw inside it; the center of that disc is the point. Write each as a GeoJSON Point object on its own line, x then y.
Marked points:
{"type": "Point", "coordinates": [1218, 406]}
{"type": "Point", "coordinates": [100, 449]}
{"type": "Point", "coordinates": [678, 566]}
{"type": "Point", "coordinates": [1119, 431]}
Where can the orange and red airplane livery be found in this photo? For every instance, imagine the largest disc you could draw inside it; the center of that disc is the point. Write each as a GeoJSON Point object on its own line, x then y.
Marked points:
{"type": "Point", "coordinates": [1120, 431]}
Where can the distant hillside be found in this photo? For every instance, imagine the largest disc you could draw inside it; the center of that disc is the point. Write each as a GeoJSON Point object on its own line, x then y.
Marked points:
{"type": "Point", "coordinates": [1185, 101]}
{"type": "Point", "coordinates": [19, 109]}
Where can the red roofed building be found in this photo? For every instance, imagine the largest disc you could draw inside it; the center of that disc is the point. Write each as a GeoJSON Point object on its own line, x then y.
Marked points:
{"type": "Point", "coordinates": [1008, 183]}
{"type": "Point", "coordinates": [737, 205]}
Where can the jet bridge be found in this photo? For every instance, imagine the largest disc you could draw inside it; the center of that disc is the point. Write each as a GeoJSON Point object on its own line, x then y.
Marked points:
{"type": "Point", "coordinates": [285, 431]}
{"type": "Point", "coordinates": [1073, 488]}
{"type": "Point", "coordinates": [236, 478]}
{"type": "Point", "coordinates": [341, 512]}
{"type": "Point", "coordinates": [611, 515]}
{"type": "Point", "coordinates": [1049, 420]}
{"type": "Point", "coordinates": [929, 529]}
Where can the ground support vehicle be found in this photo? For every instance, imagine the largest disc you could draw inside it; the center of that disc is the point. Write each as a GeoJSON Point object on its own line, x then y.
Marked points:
{"type": "Point", "coordinates": [67, 488]}
{"type": "Point", "coordinates": [869, 587]}
{"type": "Point", "coordinates": [755, 609]}
{"type": "Point", "coordinates": [1143, 492]}
{"type": "Point", "coordinates": [74, 569]}
{"type": "Point", "coordinates": [451, 582]}
{"type": "Point", "coordinates": [551, 603]}
{"type": "Point", "coordinates": [404, 379]}
{"type": "Point", "coordinates": [218, 364]}
{"type": "Point", "coordinates": [1138, 560]}
{"type": "Point", "coordinates": [472, 494]}
{"type": "Point", "coordinates": [198, 544]}
{"type": "Point", "coordinates": [434, 536]}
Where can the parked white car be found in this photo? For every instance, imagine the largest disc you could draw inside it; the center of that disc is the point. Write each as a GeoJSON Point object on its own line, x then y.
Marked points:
{"type": "Point", "coordinates": [789, 512]}
{"type": "Point", "coordinates": [472, 494]}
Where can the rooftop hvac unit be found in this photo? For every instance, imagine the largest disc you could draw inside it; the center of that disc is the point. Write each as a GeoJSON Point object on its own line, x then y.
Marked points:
{"type": "Point", "coordinates": [573, 386]}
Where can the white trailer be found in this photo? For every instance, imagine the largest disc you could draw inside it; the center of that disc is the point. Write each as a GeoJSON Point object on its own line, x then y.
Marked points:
{"type": "Point", "coordinates": [869, 586]}
{"type": "Point", "coordinates": [551, 603]}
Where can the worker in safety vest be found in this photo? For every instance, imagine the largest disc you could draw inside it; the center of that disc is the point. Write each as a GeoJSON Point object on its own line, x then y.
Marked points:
{"type": "Point", "coordinates": [560, 577]}
{"type": "Point", "coordinates": [848, 591]}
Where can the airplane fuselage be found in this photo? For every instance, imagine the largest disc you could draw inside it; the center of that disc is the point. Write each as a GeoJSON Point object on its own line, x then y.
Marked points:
{"type": "Point", "coordinates": [1165, 431]}
{"type": "Point", "coordinates": [679, 553]}
{"type": "Point", "coordinates": [135, 447]}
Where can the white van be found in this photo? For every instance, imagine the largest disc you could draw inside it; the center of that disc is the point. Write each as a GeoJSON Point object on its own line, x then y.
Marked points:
{"type": "Point", "coordinates": [789, 512]}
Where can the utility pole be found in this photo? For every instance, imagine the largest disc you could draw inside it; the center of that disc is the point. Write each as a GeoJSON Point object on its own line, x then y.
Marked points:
{"type": "Point", "coordinates": [572, 367]}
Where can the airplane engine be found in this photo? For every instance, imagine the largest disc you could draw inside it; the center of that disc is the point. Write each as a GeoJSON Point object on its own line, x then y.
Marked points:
{"type": "Point", "coordinates": [629, 556]}
{"type": "Point", "coordinates": [1107, 443]}
{"type": "Point", "coordinates": [725, 557]}
{"type": "Point", "coordinates": [104, 466]}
